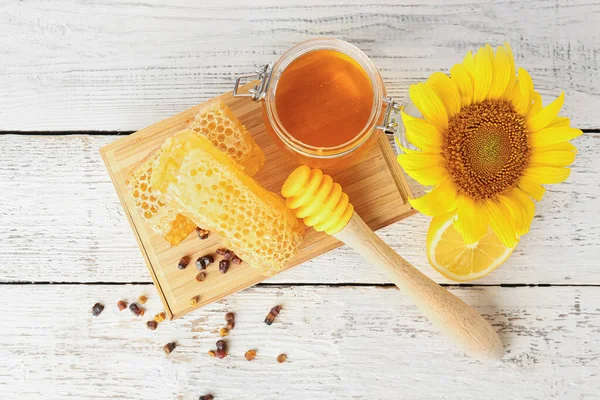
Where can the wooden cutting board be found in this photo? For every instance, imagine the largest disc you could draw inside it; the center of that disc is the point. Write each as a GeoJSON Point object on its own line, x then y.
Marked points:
{"type": "Point", "coordinates": [375, 185]}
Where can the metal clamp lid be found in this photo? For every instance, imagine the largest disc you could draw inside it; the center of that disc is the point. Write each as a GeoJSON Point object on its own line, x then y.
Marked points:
{"type": "Point", "coordinates": [258, 92]}
{"type": "Point", "coordinates": [391, 120]}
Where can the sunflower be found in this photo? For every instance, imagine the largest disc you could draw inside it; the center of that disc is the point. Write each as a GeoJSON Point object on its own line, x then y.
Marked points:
{"type": "Point", "coordinates": [486, 145]}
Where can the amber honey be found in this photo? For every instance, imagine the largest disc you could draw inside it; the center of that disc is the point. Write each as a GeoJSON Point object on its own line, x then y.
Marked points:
{"type": "Point", "coordinates": [323, 101]}
{"type": "Point", "coordinates": [324, 98]}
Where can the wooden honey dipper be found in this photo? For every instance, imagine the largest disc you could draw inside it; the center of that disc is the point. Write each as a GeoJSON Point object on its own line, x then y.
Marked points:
{"type": "Point", "coordinates": [321, 203]}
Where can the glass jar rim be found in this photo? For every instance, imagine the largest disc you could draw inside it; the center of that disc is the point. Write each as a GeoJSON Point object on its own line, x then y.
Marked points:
{"type": "Point", "coordinates": [372, 73]}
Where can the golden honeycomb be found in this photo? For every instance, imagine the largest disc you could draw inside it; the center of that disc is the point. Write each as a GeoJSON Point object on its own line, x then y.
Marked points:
{"type": "Point", "coordinates": [163, 219]}
{"type": "Point", "coordinates": [208, 187]}
{"type": "Point", "coordinates": [226, 133]}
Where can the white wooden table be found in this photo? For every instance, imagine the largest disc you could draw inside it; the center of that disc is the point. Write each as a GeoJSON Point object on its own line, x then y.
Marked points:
{"type": "Point", "coordinates": [75, 75]}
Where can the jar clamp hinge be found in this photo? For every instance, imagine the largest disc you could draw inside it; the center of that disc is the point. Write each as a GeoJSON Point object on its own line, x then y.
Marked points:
{"type": "Point", "coordinates": [391, 117]}
{"type": "Point", "coordinates": [258, 92]}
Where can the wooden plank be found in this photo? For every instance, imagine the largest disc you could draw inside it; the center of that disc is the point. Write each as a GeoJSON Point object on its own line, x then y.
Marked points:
{"type": "Point", "coordinates": [60, 220]}
{"type": "Point", "coordinates": [125, 65]}
{"type": "Point", "coordinates": [374, 181]}
{"type": "Point", "coordinates": [342, 343]}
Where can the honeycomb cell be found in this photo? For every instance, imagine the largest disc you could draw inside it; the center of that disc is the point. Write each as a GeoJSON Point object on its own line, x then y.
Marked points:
{"type": "Point", "coordinates": [251, 208]}
{"type": "Point", "coordinates": [217, 122]}
{"type": "Point", "coordinates": [163, 220]}
{"type": "Point", "coordinates": [168, 222]}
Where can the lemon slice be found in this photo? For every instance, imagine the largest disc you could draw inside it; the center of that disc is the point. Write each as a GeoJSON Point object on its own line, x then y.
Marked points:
{"type": "Point", "coordinates": [452, 257]}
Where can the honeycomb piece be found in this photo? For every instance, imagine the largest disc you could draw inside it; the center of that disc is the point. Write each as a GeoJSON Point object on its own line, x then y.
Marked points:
{"type": "Point", "coordinates": [226, 133]}
{"type": "Point", "coordinates": [208, 187]}
{"type": "Point", "coordinates": [163, 220]}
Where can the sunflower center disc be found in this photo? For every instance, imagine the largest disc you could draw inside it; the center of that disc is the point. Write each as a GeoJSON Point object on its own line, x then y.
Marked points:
{"type": "Point", "coordinates": [486, 148]}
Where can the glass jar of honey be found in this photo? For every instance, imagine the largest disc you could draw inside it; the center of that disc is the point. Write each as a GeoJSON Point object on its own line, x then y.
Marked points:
{"type": "Point", "coordinates": [323, 101]}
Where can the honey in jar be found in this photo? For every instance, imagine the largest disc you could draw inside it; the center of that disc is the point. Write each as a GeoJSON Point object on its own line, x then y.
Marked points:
{"type": "Point", "coordinates": [322, 101]}
{"type": "Point", "coordinates": [324, 98]}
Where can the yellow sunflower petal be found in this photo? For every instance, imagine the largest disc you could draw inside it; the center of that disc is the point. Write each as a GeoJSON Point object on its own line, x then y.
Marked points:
{"type": "Point", "coordinates": [514, 209]}
{"type": "Point", "coordinates": [512, 74]}
{"type": "Point", "coordinates": [549, 157]}
{"type": "Point", "coordinates": [560, 122]}
{"type": "Point", "coordinates": [523, 92]}
{"type": "Point", "coordinates": [447, 92]}
{"type": "Point", "coordinates": [483, 73]}
{"type": "Point", "coordinates": [521, 209]}
{"type": "Point", "coordinates": [531, 188]}
{"type": "Point", "coordinates": [421, 133]}
{"type": "Point", "coordinates": [501, 74]}
{"type": "Point", "coordinates": [425, 168]}
{"type": "Point", "coordinates": [546, 115]}
{"type": "Point", "coordinates": [430, 105]}
{"type": "Point", "coordinates": [469, 64]}
{"type": "Point", "coordinates": [562, 146]}
{"type": "Point", "coordinates": [515, 97]}
{"type": "Point", "coordinates": [428, 176]}
{"type": "Point", "coordinates": [418, 160]}
{"type": "Point", "coordinates": [526, 88]}
{"type": "Point", "coordinates": [472, 220]}
{"type": "Point", "coordinates": [546, 174]}
{"type": "Point", "coordinates": [462, 80]}
{"type": "Point", "coordinates": [552, 135]}
{"type": "Point", "coordinates": [404, 150]}
{"type": "Point", "coordinates": [527, 207]}
{"type": "Point", "coordinates": [536, 105]}
{"type": "Point", "coordinates": [501, 222]}
{"type": "Point", "coordinates": [441, 200]}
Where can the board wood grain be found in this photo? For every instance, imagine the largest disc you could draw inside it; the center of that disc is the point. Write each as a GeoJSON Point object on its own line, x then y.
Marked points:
{"type": "Point", "coordinates": [374, 182]}
{"type": "Point", "coordinates": [342, 343]}
{"type": "Point", "coordinates": [114, 65]}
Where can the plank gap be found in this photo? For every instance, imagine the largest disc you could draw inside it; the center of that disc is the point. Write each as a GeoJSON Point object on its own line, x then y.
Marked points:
{"type": "Point", "coordinates": [317, 284]}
